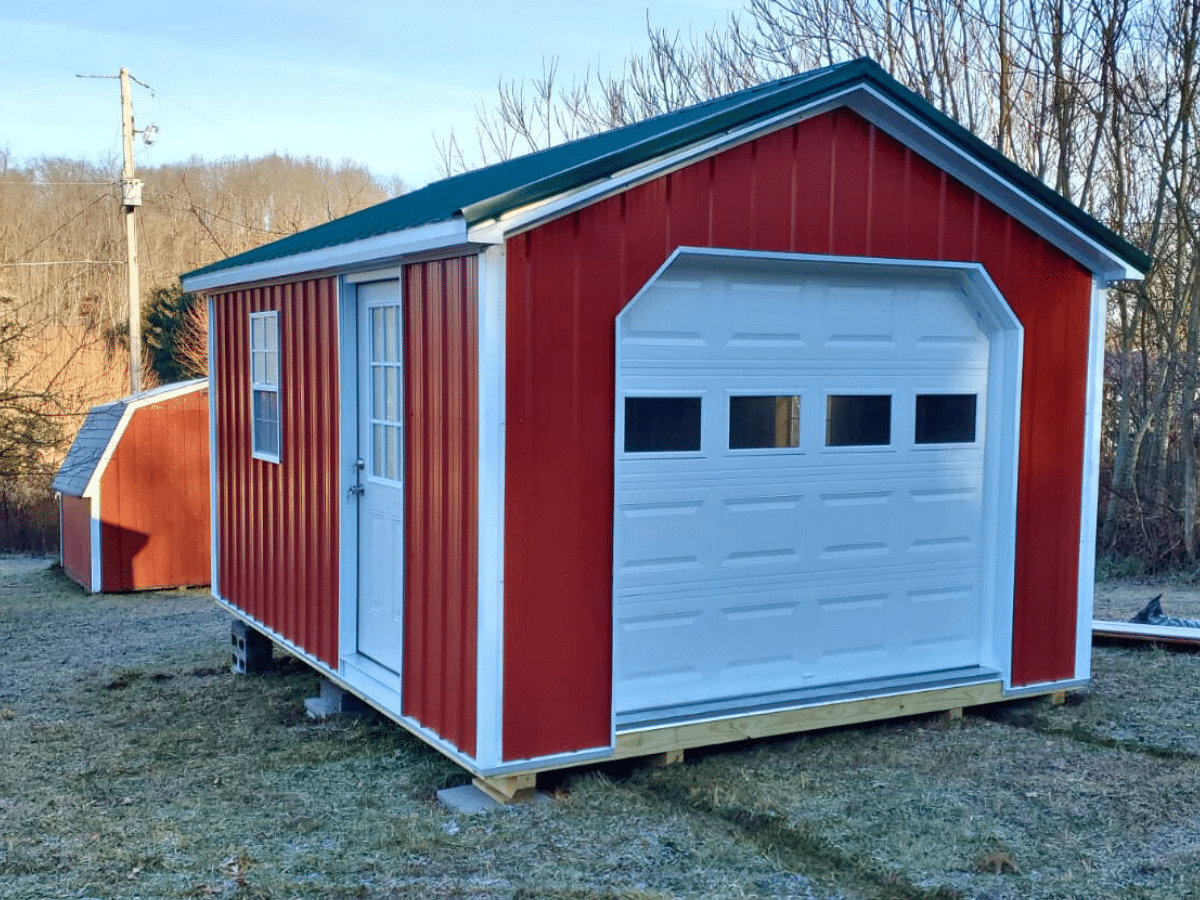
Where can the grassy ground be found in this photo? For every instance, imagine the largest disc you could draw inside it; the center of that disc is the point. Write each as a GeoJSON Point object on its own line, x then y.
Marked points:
{"type": "Point", "coordinates": [133, 765]}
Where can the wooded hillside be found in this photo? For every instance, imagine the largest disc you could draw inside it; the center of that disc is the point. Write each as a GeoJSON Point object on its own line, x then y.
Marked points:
{"type": "Point", "coordinates": [63, 295]}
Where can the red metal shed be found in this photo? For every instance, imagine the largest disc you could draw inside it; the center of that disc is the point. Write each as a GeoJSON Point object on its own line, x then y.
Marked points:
{"type": "Point", "coordinates": [776, 412]}
{"type": "Point", "coordinates": [134, 493]}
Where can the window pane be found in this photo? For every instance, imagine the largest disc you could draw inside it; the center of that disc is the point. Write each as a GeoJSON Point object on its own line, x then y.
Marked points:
{"type": "Point", "coordinates": [390, 342]}
{"type": "Point", "coordinates": [772, 421]}
{"type": "Point", "coordinates": [270, 406]}
{"type": "Point", "coordinates": [377, 456]}
{"type": "Point", "coordinates": [377, 390]}
{"type": "Point", "coordinates": [266, 422]}
{"type": "Point", "coordinates": [389, 469]}
{"type": "Point", "coordinates": [257, 333]}
{"type": "Point", "coordinates": [376, 334]}
{"type": "Point", "coordinates": [270, 332]}
{"type": "Point", "coordinates": [856, 420]}
{"type": "Point", "coordinates": [257, 369]}
{"type": "Point", "coordinates": [661, 424]}
{"type": "Point", "coordinates": [392, 410]}
{"type": "Point", "coordinates": [945, 419]}
{"type": "Point", "coordinates": [271, 373]}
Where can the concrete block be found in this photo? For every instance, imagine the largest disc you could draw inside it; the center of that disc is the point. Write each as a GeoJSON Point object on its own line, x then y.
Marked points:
{"type": "Point", "coordinates": [467, 799]}
{"type": "Point", "coordinates": [251, 649]}
{"type": "Point", "coordinates": [334, 701]}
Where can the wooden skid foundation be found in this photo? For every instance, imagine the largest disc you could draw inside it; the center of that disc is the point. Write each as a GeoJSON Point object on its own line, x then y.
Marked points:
{"type": "Point", "coordinates": [669, 738]}
{"type": "Point", "coordinates": [508, 788]}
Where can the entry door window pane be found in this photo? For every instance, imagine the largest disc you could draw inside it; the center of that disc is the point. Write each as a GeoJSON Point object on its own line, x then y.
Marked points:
{"type": "Point", "coordinates": [945, 419]}
{"type": "Point", "coordinates": [764, 422]}
{"type": "Point", "coordinates": [858, 420]}
{"type": "Point", "coordinates": [662, 424]}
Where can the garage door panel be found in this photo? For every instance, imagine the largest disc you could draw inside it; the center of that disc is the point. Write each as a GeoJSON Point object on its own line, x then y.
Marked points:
{"type": "Point", "coordinates": [761, 316]}
{"type": "Point", "coordinates": [943, 319]}
{"type": "Point", "coordinates": [742, 572]}
{"type": "Point", "coordinates": [858, 317]}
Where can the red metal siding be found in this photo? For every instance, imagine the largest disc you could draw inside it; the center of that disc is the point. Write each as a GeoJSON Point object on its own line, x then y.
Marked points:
{"type": "Point", "coordinates": [277, 523]}
{"type": "Point", "coordinates": [440, 512]}
{"type": "Point", "coordinates": [832, 184]}
{"type": "Point", "coordinates": [76, 521]}
{"type": "Point", "coordinates": [154, 498]}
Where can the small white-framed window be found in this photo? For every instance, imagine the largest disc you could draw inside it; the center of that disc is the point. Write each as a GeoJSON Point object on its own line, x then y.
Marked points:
{"type": "Point", "coordinates": [264, 385]}
{"type": "Point", "coordinates": [662, 424]}
{"type": "Point", "coordinates": [858, 420]}
{"type": "Point", "coordinates": [764, 422]}
{"type": "Point", "coordinates": [945, 419]}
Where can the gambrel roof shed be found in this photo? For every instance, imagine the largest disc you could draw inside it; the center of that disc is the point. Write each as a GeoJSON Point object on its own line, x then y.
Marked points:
{"type": "Point", "coordinates": [133, 492]}
{"type": "Point", "coordinates": [778, 410]}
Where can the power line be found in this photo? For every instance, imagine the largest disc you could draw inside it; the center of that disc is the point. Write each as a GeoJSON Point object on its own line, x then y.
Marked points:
{"type": "Point", "coordinates": [60, 183]}
{"type": "Point", "coordinates": [65, 262]}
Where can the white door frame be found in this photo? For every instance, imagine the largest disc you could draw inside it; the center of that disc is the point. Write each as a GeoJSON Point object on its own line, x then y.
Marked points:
{"type": "Point", "coordinates": [356, 669]}
{"type": "Point", "coordinates": [1002, 415]}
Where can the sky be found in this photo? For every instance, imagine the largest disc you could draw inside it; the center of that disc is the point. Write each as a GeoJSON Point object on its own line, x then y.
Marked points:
{"type": "Point", "coordinates": [372, 82]}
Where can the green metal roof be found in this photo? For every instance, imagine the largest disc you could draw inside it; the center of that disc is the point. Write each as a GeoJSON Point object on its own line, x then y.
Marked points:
{"type": "Point", "coordinates": [485, 193]}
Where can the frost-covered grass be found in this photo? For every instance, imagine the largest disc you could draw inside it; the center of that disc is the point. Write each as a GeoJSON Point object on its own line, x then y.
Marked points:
{"type": "Point", "coordinates": [132, 764]}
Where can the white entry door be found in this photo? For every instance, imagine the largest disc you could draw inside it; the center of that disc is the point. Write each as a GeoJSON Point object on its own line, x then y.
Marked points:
{"type": "Point", "coordinates": [381, 476]}
{"type": "Point", "coordinates": [800, 486]}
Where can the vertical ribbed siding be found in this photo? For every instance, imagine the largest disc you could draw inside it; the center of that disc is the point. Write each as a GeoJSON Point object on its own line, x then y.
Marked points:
{"type": "Point", "coordinates": [76, 521]}
{"type": "Point", "coordinates": [833, 184]}
{"type": "Point", "coordinates": [440, 515]}
{"type": "Point", "coordinates": [154, 499]}
{"type": "Point", "coordinates": [277, 523]}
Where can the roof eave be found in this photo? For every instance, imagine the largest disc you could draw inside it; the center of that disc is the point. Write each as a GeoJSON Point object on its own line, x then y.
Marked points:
{"type": "Point", "coordinates": [445, 234]}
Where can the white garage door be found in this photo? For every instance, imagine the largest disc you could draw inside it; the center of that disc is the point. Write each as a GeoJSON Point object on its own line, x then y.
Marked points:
{"type": "Point", "coordinates": [800, 490]}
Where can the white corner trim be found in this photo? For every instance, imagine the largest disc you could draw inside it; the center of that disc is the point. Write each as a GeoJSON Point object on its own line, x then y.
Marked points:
{"type": "Point", "coordinates": [392, 245]}
{"type": "Point", "coordinates": [489, 667]}
{"type": "Point", "coordinates": [214, 548]}
{"type": "Point", "coordinates": [346, 302]}
{"type": "Point", "coordinates": [1090, 496]}
{"type": "Point", "coordinates": [97, 573]}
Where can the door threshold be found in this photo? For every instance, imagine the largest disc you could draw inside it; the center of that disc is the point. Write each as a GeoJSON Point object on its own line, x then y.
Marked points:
{"type": "Point", "coordinates": [754, 704]}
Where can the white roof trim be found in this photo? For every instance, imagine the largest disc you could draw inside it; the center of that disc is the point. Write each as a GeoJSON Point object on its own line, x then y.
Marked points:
{"type": "Point", "coordinates": [1012, 199]}
{"type": "Point", "coordinates": [862, 98]}
{"type": "Point", "coordinates": [410, 241]}
{"type": "Point", "coordinates": [881, 112]}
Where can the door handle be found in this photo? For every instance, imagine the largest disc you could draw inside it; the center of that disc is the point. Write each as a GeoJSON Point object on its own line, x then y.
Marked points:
{"type": "Point", "coordinates": [356, 490]}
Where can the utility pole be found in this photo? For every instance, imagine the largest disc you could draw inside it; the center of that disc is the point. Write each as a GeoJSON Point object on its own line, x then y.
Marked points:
{"type": "Point", "coordinates": [131, 199]}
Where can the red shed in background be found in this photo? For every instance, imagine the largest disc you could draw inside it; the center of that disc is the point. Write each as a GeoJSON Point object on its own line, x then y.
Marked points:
{"type": "Point", "coordinates": [775, 412]}
{"type": "Point", "coordinates": [134, 494]}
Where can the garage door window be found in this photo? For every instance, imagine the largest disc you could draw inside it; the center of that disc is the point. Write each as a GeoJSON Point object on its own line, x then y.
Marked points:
{"type": "Point", "coordinates": [662, 424]}
{"type": "Point", "coordinates": [858, 420]}
{"type": "Point", "coordinates": [945, 419]}
{"type": "Point", "coordinates": [764, 422]}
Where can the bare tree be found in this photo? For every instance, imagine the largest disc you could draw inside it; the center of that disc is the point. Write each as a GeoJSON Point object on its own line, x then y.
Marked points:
{"type": "Point", "coordinates": [1095, 97]}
